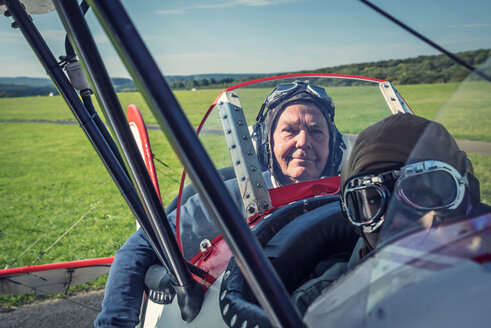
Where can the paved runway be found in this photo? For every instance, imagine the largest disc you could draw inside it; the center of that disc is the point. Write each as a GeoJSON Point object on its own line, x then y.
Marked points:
{"type": "Point", "coordinates": [74, 311]}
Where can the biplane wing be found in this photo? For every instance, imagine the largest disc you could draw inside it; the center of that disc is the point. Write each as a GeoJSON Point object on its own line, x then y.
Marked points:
{"type": "Point", "coordinates": [58, 277]}
{"type": "Point", "coordinates": [36, 6]}
{"type": "Point", "coordinates": [51, 278]}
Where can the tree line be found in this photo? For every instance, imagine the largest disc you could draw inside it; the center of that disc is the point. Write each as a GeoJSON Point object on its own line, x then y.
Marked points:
{"type": "Point", "coordinates": [204, 83]}
{"type": "Point", "coordinates": [417, 70]}
{"type": "Point", "coordinates": [14, 90]}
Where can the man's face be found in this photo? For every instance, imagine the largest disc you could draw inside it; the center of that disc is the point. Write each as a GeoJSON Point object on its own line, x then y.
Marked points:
{"type": "Point", "coordinates": [301, 142]}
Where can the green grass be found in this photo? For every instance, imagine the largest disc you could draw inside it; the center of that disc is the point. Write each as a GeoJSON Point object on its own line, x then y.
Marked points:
{"type": "Point", "coordinates": [51, 176]}
{"type": "Point", "coordinates": [353, 114]}
{"type": "Point", "coordinates": [357, 107]}
{"type": "Point", "coordinates": [468, 114]}
{"type": "Point", "coordinates": [481, 164]}
{"type": "Point", "coordinates": [35, 108]}
{"type": "Point", "coordinates": [425, 100]}
{"type": "Point", "coordinates": [194, 103]}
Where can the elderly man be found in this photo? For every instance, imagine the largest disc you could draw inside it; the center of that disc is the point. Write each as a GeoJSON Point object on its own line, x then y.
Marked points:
{"type": "Point", "coordinates": [297, 141]}
{"type": "Point", "coordinates": [296, 135]}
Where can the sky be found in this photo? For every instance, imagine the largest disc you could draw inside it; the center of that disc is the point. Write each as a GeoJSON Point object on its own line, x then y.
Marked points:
{"type": "Point", "coordinates": [189, 37]}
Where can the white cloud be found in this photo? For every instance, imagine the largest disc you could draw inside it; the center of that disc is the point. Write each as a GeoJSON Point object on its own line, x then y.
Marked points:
{"type": "Point", "coordinates": [11, 37]}
{"type": "Point", "coordinates": [477, 25]}
{"type": "Point", "coordinates": [471, 25]}
{"type": "Point", "coordinates": [115, 67]}
{"type": "Point", "coordinates": [148, 37]}
{"type": "Point", "coordinates": [225, 4]}
{"type": "Point", "coordinates": [23, 68]}
{"type": "Point", "coordinates": [5, 58]}
{"type": "Point", "coordinates": [281, 60]}
{"type": "Point", "coordinates": [54, 35]}
{"type": "Point", "coordinates": [203, 62]}
{"type": "Point", "coordinates": [59, 35]}
{"type": "Point", "coordinates": [467, 43]}
{"type": "Point", "coordinates": [9, 34]}
{"type": "Point", "coordinates": [176, 11]}
{"type": "Point", "coordinates": [101, 38]}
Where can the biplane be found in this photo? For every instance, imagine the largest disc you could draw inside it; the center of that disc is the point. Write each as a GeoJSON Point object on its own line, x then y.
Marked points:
{"type": "Point", "coordinates": [417, 277]}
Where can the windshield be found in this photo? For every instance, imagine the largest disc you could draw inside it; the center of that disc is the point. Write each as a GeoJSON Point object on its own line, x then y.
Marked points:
{"type": "Point", "coordinates": [466, 118]}
{"type": "Point", "coordinates": [359, 102]}
{"type": "Point", "coordinates": [433, 243]}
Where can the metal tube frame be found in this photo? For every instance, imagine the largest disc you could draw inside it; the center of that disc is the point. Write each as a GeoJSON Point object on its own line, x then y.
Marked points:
{"type": "Point", "coordinates": [257, 269]}
{"type": "Point", "coordinates": [86, 121]}
{"type": "Point", "coordinates": [91, 60]}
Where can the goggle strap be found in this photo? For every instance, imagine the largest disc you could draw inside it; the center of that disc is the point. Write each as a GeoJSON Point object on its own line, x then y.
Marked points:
{"type": "Point", "coordinates": [474, 188]}
{"type": "Point", "coordinates": [260, 118]}
{"type": "Point", "coordinates": [389, 173]}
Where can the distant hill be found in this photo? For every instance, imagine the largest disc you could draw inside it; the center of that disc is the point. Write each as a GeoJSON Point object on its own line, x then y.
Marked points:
{"type": "Point", "coordinates": [28, 81]}
{"type": "Point", "coordinates": [38, 86]}
{"type": "Point", "coordinates": [421, 69]}
{"type": "Point", "coordinates": [417, 70]}
{"type": "Point", "coordinates": [20, 90]}
{"type": "Point", "coordinates": [121, 84]}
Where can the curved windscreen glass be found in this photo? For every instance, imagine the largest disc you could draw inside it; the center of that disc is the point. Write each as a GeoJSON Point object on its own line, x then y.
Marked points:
{"type": "Point", "coordinates": [433, 245]}
{"type": "Point", "coordinates": [293, 137]}
{"type": "Point", "coordinates": [460, 138]}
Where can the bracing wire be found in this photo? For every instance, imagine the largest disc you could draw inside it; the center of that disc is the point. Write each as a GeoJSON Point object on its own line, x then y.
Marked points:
{"type": "Point", "coordinates": [167, 166]}
{"type": "Point", "coordinates": [452, 56]}
{"type": "Point", "coordinates": [66, 232]}
{"type": "Point", "coordinates": [30, 246]}
{"type": "Point", "coordinates": [48, 292]}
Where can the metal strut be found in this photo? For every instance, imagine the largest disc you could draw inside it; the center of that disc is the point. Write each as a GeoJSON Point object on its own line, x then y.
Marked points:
{"type": "Point", "coordinates": [55, 72]}
{"type": "Point", "coordinates": [260, 274]}
{"type": "Point", "coordinates": [189, 292]}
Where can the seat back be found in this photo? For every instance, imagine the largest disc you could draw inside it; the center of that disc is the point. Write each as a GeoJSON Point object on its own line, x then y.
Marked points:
{"type": "Point", "coordinates": [226, 173]}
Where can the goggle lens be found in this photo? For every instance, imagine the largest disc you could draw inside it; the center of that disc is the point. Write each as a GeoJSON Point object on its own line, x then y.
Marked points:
{"type": "Point", "coordinates": [364, 205]}
{"type": "Point", "coordinates": [285, 87]}
{"type": "Point", "coordinates": [431, 190]}
{"type": "Point", "coordinates": [286, 90]}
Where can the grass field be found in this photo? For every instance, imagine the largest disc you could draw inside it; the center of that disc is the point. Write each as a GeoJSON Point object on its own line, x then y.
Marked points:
{"type": "Point", "coordinates": [194, 103]}
{"type": "Point", "coordinates": [425, 100]}
{"type": "Point", "coordinates": [51, 177]}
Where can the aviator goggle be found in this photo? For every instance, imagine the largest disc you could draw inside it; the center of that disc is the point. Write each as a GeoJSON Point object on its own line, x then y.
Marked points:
{"type": "Point", "coordinates": [286, 91]}
{"type": "Point", "coordinates": [423, 186]}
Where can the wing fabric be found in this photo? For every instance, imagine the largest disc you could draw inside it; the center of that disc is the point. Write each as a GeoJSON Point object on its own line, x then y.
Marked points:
{"type": "Point", "coordinates": [52, 278]}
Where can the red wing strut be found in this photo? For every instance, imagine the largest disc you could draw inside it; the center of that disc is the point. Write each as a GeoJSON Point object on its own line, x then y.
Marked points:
{"type": "Point", "coordinates": [137, 127]}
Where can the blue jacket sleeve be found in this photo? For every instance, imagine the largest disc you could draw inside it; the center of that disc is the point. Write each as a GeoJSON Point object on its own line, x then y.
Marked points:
{"type": "Point", "coordinates": [125, 284]}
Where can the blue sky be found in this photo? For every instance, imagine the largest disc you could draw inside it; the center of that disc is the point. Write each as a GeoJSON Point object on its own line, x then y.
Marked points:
{"type": "Point", "coordinates": [268, 36]}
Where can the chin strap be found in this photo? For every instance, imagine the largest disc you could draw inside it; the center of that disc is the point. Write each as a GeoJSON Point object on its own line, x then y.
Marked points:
{"type": "Point", "coordinates": [367, 244]}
